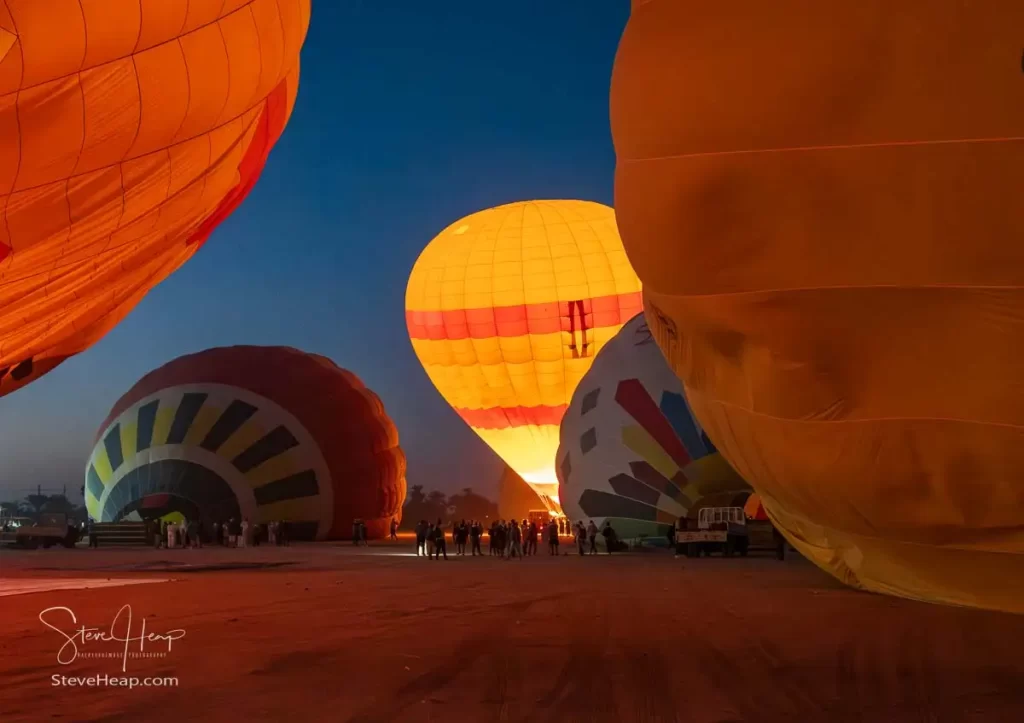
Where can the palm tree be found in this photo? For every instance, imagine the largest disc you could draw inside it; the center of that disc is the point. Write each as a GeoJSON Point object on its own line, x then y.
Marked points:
{"type": "Point", "coordinates": [36, 502]}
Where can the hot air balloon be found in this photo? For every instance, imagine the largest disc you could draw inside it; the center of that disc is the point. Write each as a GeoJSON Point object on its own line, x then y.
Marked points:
{"type": "Point", "coordinates": [128, 131]}
{"type": "Point", "coordinates": [506, 309]}
{"type": "Point", "coordinates": [823, 203]}
{"type": "Point", "coordinates": [264, 433]}
{"type": "Point", "coordinates": [516, 499]}
{"type": "Point", "coordinates": [631, 450]}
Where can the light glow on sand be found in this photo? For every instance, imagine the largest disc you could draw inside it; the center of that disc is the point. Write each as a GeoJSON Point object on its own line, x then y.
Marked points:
{"type": "Point", "coordinates": [24, 586]}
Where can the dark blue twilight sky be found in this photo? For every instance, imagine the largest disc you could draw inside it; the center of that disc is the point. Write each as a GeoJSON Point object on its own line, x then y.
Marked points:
{"type": "Point", "coordinates": [410, 115]}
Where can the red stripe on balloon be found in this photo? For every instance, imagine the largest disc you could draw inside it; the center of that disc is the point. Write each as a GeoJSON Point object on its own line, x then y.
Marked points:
{"type": "Point", "coordinates": [509, 417]}
{"type": "Point", "coordinates": [522, 319]}
{"type": "Point", "coordinates": [632, 397]}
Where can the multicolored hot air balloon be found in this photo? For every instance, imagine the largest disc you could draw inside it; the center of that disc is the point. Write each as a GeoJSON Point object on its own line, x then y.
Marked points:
{"type": "Point", "coordinates": [506, 309]}
{"type": "Point", "coordinates": [128, 131]}
{"type": "Point", "coordinates": [823, 202]}
{"type": "Point", "coordinates": [264, 433]}
{"type": "Point", "coordinates": [631, 451]}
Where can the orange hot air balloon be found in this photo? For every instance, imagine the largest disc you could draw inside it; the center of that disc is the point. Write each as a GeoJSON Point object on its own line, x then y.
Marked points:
{"type": "Point", "coordinates": [128, 131]}
{"type": "Point", "coordinates": [506, 309]}
{"type": "Point", "coordinates": [823, 202]}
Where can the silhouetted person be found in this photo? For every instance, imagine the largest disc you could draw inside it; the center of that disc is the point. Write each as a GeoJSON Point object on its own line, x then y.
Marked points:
{"type": "Point", "coordinates": [609, 536]}
{"type": "Point", "coordinates": [460, 533]}
{"type": "Point", "coordinates": [440, 546]}
{"type": "Point", "coordinates": [531, 538]}
{"type": "Point", "coordinates": [581, 537]}
{"type": "Point", "coordinates": [475, 531]}
{"type": "Point", "coordinates": [94, 539]}
{"type": "Point", "coordinates": [592, 537]}
{"type": "Point", "coordinates": [421, 537]}
{"type": "Point", "coordinates": [553, 538]}
{"type": "Point", "coordinates": [394, 528]}
{"type": "Point", "coordinates": [516, 540]}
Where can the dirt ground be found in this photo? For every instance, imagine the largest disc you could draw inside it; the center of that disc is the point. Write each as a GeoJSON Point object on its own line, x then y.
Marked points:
{"type": "Point", "coordinates": [331, 633]}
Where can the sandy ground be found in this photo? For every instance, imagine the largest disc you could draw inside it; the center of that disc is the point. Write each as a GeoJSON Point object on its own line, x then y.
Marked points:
{"type": "Point", "coordinates": [330, 633]}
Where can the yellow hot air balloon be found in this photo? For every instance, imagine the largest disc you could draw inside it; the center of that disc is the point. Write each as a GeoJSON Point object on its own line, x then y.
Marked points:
{"type": "Point", "coordinates": [128, 131]}
{"type": "Point", "coordinates": [506, 309]}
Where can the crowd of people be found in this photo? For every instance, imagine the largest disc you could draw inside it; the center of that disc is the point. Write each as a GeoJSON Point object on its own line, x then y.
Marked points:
{"type": "Point", "coordinates": [233, 533]}
{"type": "Point", "coordinates": [509, 539]}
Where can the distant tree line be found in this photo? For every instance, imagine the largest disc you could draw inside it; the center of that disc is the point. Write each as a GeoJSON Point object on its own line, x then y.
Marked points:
{"type": "Point", "coordinates": [465, 505]}
{"type": "Point", "coordinates": [34, 505]}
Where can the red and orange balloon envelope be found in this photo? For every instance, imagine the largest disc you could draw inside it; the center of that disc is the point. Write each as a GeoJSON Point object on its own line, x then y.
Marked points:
{"type": "Point", "coordinates": [128, 131]}
{"type": "Point", "coordinates": [506, 309]}
{"type": "Point", "coordinates": [263, 433]}
{"type": "Point", "coordinates": [824, 203]}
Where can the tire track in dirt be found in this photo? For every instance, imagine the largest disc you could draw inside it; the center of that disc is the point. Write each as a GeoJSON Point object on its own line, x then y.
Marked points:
{"type": "Point", "coordinates": [651, 687]}
{"type": "Point", "coordinates": [582, 690]}
{"type": "Point", "coordinates": [477, 649]}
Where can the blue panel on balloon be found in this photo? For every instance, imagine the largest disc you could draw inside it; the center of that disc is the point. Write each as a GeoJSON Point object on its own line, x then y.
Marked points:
{"type": "Point", "coordinates": [676, 410]}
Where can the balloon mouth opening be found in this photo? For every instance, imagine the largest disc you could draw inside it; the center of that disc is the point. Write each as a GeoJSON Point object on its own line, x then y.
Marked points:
{"type": "Point", "coordinates": [545, 484]}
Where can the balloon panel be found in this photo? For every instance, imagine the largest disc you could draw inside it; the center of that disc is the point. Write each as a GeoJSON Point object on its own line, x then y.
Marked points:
{"type": "Point", "coordinates": [631, 450]}
{"type": "Point", "coordinates": [506, 309]}
{"type": "Point", "coordinates": [267, 433]}
{"type": "Point", "coordinates": [127, 134]}
{"type": "Point", "coordinates": [831, 262]}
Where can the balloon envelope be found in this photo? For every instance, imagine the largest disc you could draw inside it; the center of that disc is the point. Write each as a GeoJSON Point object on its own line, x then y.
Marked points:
{"type": "Point", "coordinates": [506, 309]}
{"type": "Point", "coordinates": [631, 450]}
{"type": "Point", "coordinates": [823, 203]}
{"type": "Point", "coordinates": [264, 433]}
{"type": "Point", "coordinates": [128, 131]}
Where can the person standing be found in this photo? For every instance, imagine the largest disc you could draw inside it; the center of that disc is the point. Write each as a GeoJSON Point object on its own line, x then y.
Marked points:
{"type": "Point", "coordinates": [592, 537]}
{"type": "Point", "coordinates": [475, 531]}
{"type": "Point", "coordinates": [440, 545]}
{"type": "Point", "coordinates": [394, 528]}
{"type": "Point", "coordinates": [93, 537]}
{"type": "Point", "coordinates": [243, 537]}
{"type": "Point", "coordinates": [553, 538]}
{"type": "Point", "coordinates": [430, 541]}
{"type": "Point", "coordinates": [609, 536]}
{"type": "Point", "coordinates": [421, 538]}
{"type": "Point", "coordinates": [531, 538]}
{"type": "Point", "coordinates": [516, 536]}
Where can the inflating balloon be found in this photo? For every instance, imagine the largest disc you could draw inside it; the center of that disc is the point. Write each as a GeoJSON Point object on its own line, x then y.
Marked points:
{"type": "Point", "coordinates": [506, 309]}
{"type": "Point", "coordinates": [263, 433]}
{"type": "Point", "coordinates": [128, 131]}
{"type": "Point", "coordinates": [823, 203]}
{"type": "Point", "coordinates": [631, 451]}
